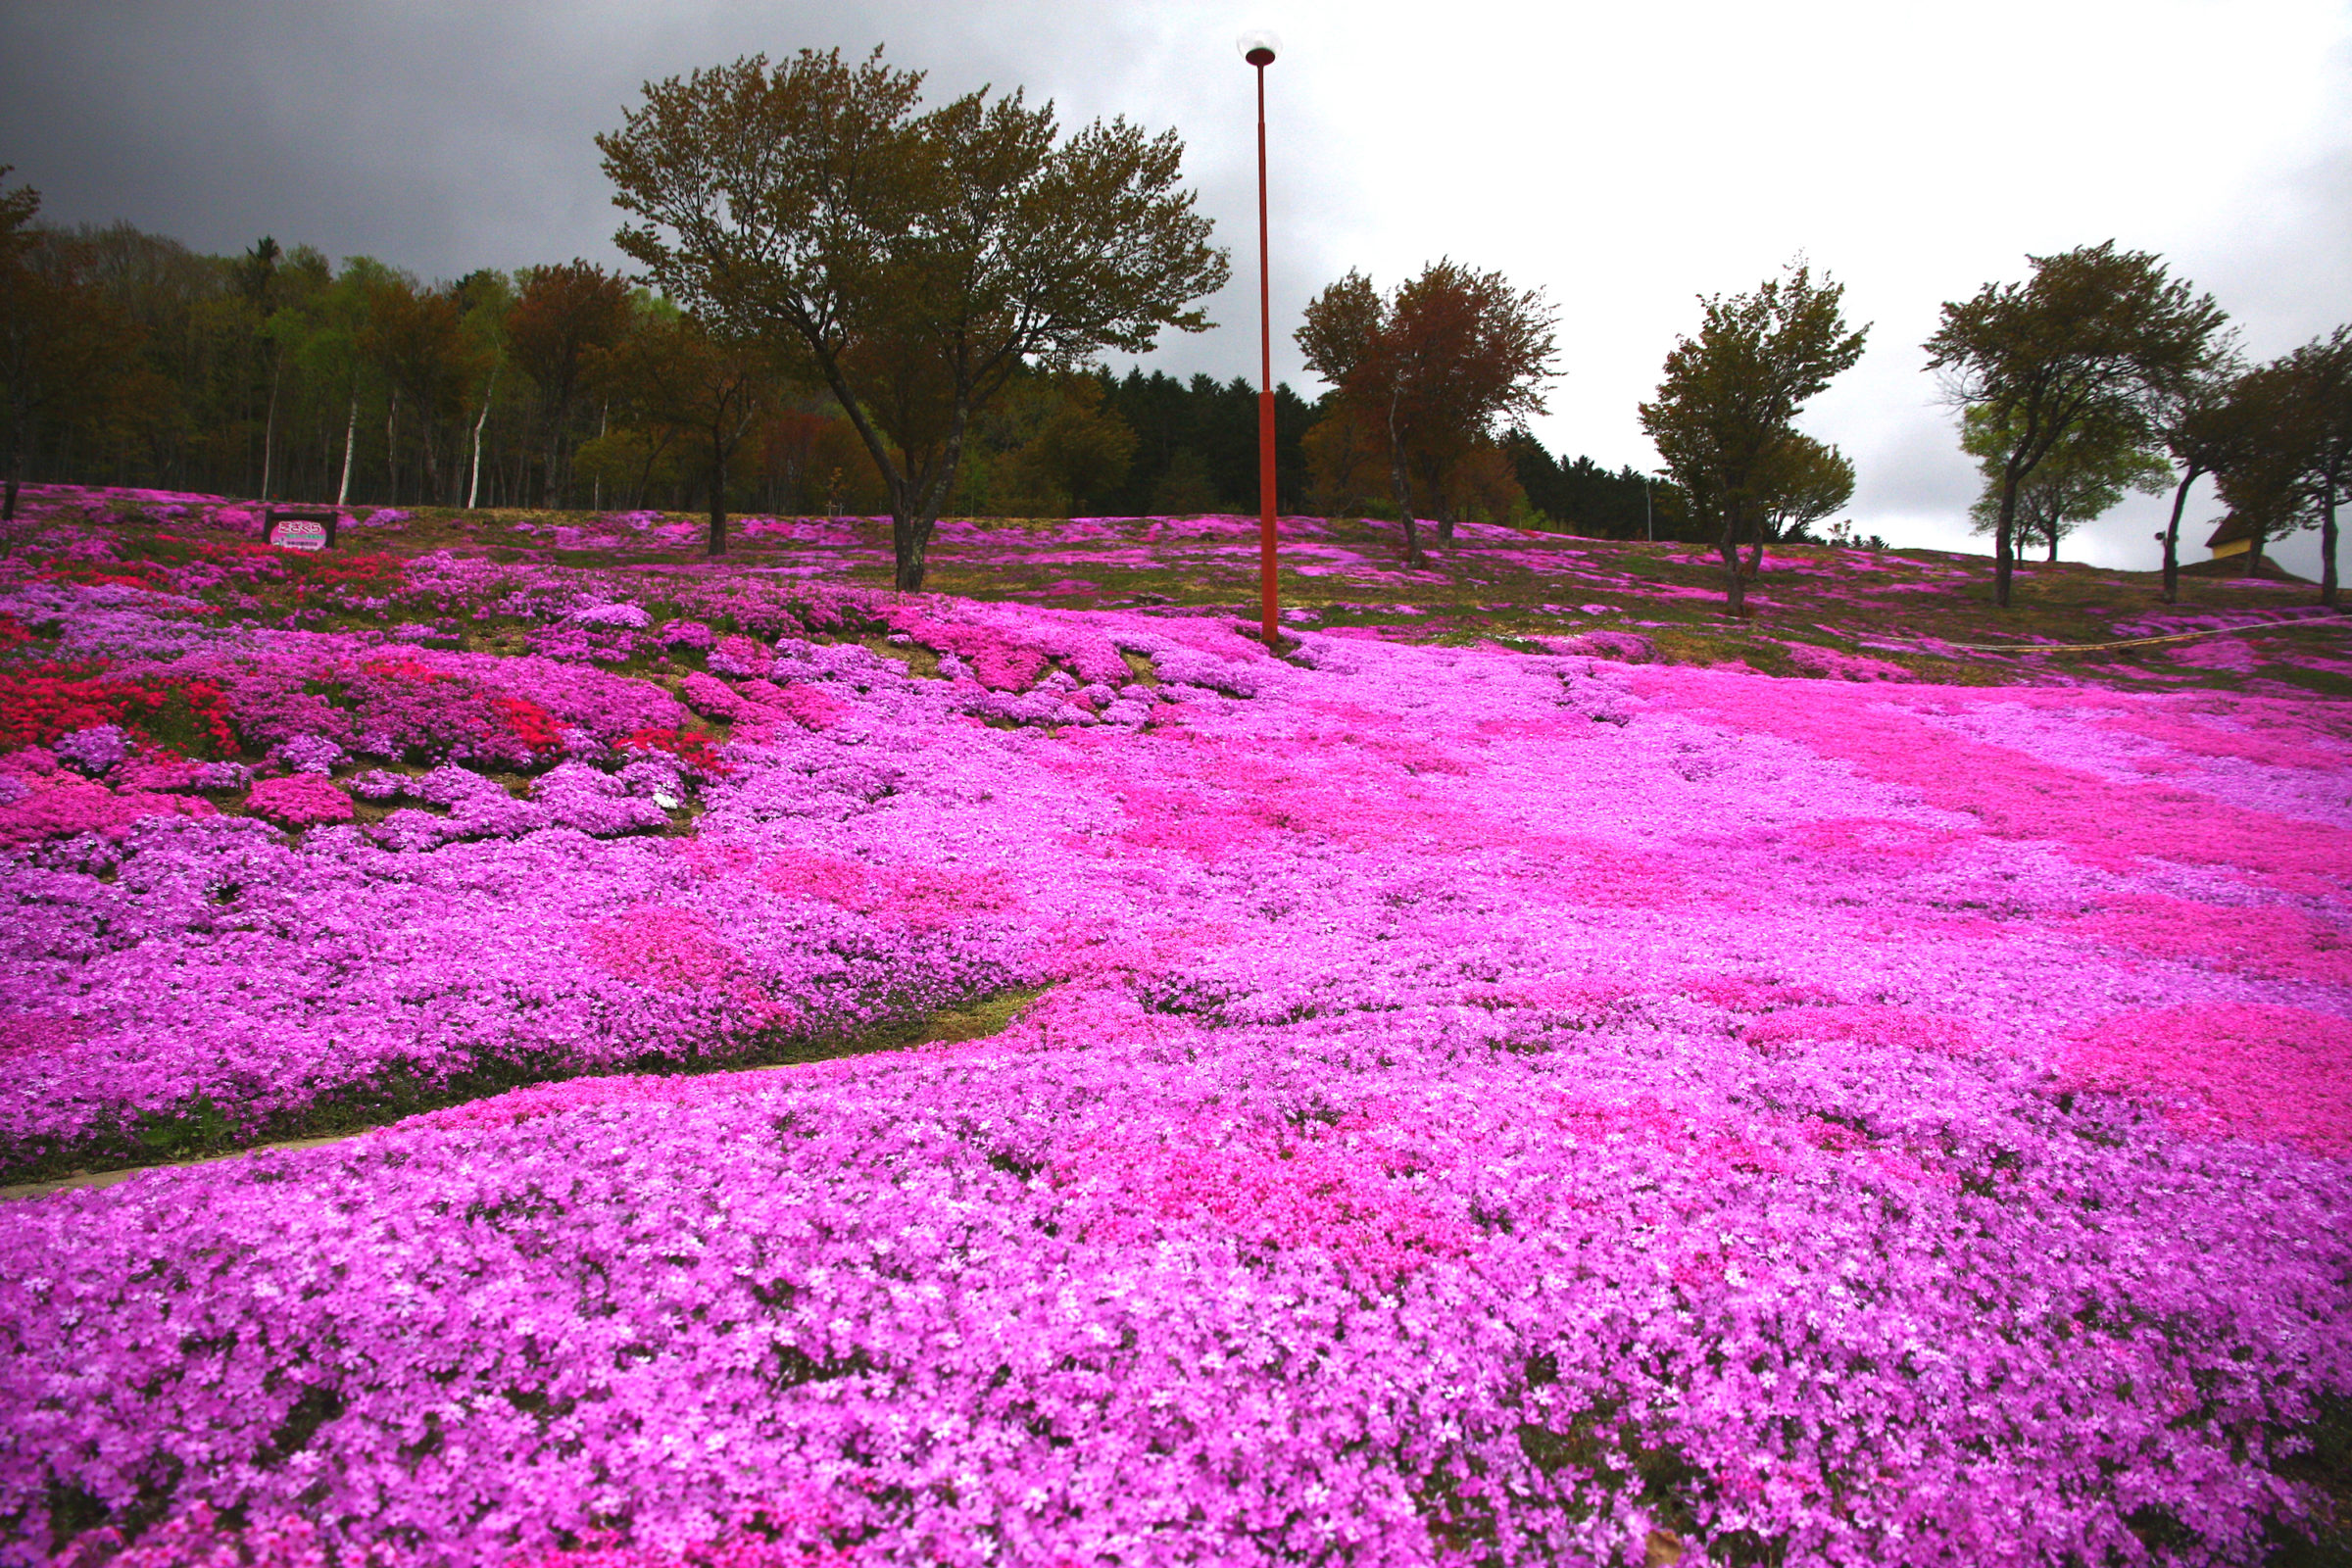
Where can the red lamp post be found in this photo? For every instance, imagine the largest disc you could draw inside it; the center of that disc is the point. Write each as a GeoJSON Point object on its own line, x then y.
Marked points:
{"type": "Point", "coordinates": [1260, 47]}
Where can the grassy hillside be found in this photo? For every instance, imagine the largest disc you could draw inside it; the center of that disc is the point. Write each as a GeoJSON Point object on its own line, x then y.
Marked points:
{"type": "Point", "coordinates": [1927, 613]}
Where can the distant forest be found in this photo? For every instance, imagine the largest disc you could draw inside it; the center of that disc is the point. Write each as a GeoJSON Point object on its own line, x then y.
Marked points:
{"type": "Point", "coordinates": [127, 357]}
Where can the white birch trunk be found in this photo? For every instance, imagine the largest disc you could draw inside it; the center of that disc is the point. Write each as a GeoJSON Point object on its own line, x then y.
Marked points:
{"type": "Point", "coordinates": [351, 437]}
{"type": "Point", "coordinates": [269, 429]}
{"type": "Point", "coordinates": [473, 481]}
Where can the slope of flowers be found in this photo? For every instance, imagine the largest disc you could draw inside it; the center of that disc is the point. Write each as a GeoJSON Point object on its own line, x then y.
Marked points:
{"type": "Point", "coordinates": [1489, 1106]}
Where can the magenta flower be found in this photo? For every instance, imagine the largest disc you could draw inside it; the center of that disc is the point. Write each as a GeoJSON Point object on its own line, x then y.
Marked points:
{"type": "Point", "coordinates": [300, 799]}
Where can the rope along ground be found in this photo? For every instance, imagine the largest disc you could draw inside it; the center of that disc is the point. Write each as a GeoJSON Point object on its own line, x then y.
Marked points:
{"type": "Point", "coordinates": [2092, 648]}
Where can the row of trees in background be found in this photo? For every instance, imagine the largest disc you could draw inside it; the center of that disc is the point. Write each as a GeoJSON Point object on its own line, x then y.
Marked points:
{"type": "Point", "coordinates": [2097, 374]}
{"type": "Point", "coordinates": [2101, 372]}
{"type": "Point", "coordinates": [863, 304]}
{"type": "Point", "coordinates": [124, 357]}
{"type": "Point", "coordinates": [127, 356]}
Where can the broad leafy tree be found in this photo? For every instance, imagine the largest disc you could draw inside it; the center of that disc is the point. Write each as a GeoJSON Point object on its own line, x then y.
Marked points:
{"type": "Point", "coordinates": [1803, 482]}
{"type": "Point", "coordinates": [1062, 448]}
{"type": "Point", "coordinates": [1725, 411]}
{"type": "Point", "coordinates": [2202, 425]}
{"type": "Point", "coordinates": [1437, 367]}
{"type": "Point", "coordinates": [560, 317]}
{"type": "Point", "coordinates": [2292, 457]}
{"type": "Point", "coordinates": [2096, 337]}
{"type": "Point", "coordinates": [705, 393]}
{"type": "Point", "coordinates": [2263, 483]}
{"type": "Point", "coordinates": [915, 258]}
{"type": "Point", "coordinates": [2320, 394]}
{"type": "Point", "coordinates": [2083, 478]}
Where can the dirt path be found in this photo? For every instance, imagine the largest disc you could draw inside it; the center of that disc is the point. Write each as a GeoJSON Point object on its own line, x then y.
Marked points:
{"type": "Point", "coordinates": [108, 1178]}
{"type": "Point", "coordinates": [979, 1021]}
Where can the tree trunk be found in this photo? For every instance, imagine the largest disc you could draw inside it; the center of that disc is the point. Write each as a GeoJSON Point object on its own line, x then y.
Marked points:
{"type": "Point", "coordinates": [909, 531]}
{"type": "Point", "coordinates": [2328, 542]}
{"type": "Point", "coordinates": [474, 480]}
{"type": "Point", "coordinates": [2004, 536]}
{"type": "Point", "coordinates": [2254, 554]}
{"type": "Point", "coordinates": [1755, 554]}
{"type": "Point", "coordinates": [1735, 587]}
{"type": "Point", "coordinates": [910, 544]}
{"type": "Point", "coordinates": [269, 429]}
{"type": "Point", "coordinates": [915, 502]}
{"type": "Point", "coordinates": [718, 497]}
{"type": "Point", "coordinates": [2172, 537]}
{"type": "Point", "coordinates": [351, 439]}
{"type": "Point", "coordinates": [1403, 486]}
{"type": "Point", "coordinates": [392, 447]}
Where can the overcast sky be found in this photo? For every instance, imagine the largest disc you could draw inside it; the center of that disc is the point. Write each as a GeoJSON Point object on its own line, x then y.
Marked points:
{"type": "Point", "coordinates": [1624, 158]}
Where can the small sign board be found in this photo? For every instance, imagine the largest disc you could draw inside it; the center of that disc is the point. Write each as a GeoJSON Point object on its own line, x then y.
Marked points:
{"type": "Point", "coordinates": [300, 530]}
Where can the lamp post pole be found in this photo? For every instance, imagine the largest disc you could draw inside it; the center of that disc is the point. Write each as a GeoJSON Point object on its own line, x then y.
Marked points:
{"type": "Point", "coordinates": [1259, 48]}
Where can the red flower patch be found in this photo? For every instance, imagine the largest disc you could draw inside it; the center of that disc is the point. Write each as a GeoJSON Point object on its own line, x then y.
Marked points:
{"type": "Point", "coordinates": [402, 667]}
{"type": "Point", "coordinates": [118, 573]}
{"type": "Point", "coordinates": [677, 953]}
{"type": "Point", "coordinates": [689, 745]}
{"type": "Point", "coordinates": [529, 722]}
{"type": "Point", "coordinates": [42, 701]}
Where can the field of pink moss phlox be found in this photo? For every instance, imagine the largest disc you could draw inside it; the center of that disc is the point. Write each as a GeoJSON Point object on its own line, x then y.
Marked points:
{"type": "Point", "coordinates": [1480, 1104]}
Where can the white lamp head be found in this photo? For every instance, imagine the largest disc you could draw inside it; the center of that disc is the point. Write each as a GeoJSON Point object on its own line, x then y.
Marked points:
{"type": "Point", "coordinates": [1259, 46]}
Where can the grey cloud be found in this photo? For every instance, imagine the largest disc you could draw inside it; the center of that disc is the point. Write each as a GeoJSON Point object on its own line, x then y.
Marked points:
{"type": "Point", "coordinates": [440, 137]}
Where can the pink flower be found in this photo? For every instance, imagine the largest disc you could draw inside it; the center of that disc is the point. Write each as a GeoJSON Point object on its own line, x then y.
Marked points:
{"type": "Point", "coordinates": [300, 800]}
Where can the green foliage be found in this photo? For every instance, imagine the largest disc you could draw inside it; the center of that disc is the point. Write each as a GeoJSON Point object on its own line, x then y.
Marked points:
{"type": "Point", "coordinates": [70, 377]}
{"type": "Point", "coordinates": [1583, 498]}
{"type": "Point", "coordinates": [697, 392]}
{"type": "Point", "coordinates": [197, 1127]}
{"type": "Point", "coordinates": [1196, 445]}
{"type": "Point", "coordinates": [561, 319]}
{"type": "Point", "coordinates": [2291, 459]}
{"type": "Point", "coordinates": [2096, 340]}
{"type": "Point", "coordinates": [2083, 478]}
{"type": "Point", "coordinates": [1432, 369]}
{"type": "Point", "coordinates": [626, 462]}
{"type": "Point", "coordinates": [1803, 482]}
{"type": "Point", "coordinates": [1050, 446]}
{"type": "Point", "coordinates": [1725, 411]}
{"type": "Point", "coordinates": [917, 262]}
